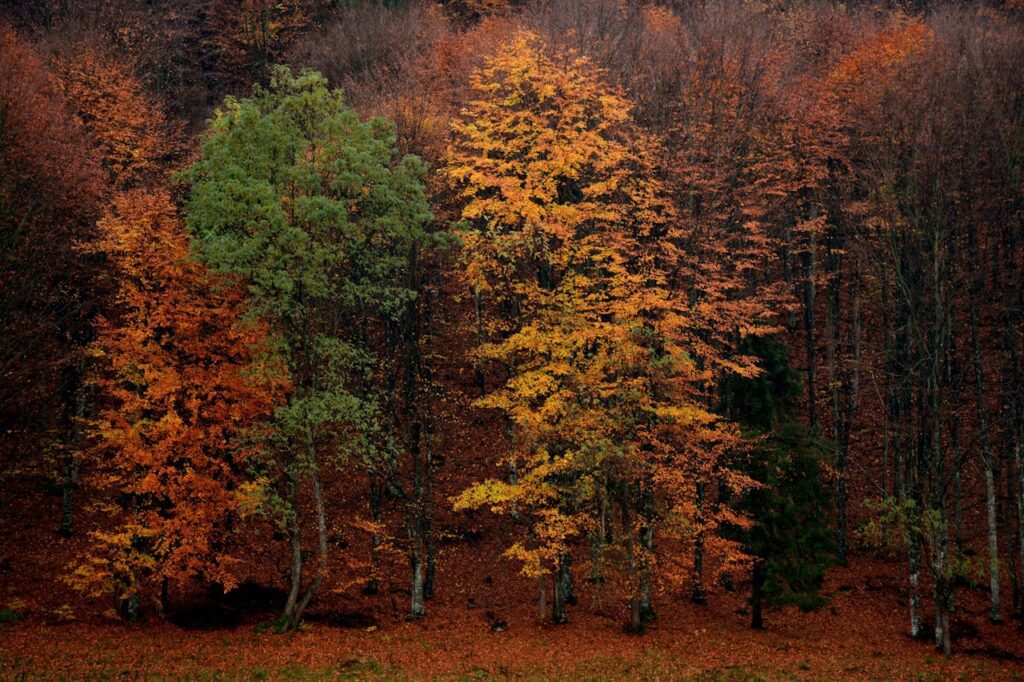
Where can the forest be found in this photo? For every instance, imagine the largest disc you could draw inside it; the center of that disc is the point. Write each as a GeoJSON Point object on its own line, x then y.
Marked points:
{"type": "Point", "coordinates": [511, 339]}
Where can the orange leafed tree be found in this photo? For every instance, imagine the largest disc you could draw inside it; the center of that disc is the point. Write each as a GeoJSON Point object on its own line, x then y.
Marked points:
{"type": "Point", "coordinates": [183, 392]}
{"type": "Point", "coordinates": [133, 135]}
{"type": "Point", "coordinates": [571, 251]}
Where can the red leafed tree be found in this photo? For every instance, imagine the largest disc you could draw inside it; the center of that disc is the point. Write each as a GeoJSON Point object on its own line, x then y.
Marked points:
{"type": "Point", "coordinates": [183, 393]}
{"type": "Point", "coordinates": [51, 186]}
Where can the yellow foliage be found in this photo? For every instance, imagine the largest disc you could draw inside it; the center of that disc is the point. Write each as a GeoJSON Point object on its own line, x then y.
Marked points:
{"type": "Point", "coordinates": [567, 226]}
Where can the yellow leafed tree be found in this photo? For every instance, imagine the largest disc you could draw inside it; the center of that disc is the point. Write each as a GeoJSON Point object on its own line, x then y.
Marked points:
{"type": "Point", "coordinates": [570, 250]}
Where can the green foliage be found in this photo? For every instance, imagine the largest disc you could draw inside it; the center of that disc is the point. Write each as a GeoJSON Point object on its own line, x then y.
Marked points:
{"type": "Point", "coordinates": [790, 509]}
{"type": "Point", "coordinates": [9, 615]}
{"type": "Point", "coordinates": [893, 520]}
{"type": "Point", "coordinates": [791, 531]}
{"type": "Point", "coordinates": [312, 207]}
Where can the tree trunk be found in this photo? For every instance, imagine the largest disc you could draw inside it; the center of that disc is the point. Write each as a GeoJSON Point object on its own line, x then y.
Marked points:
{"type": "Point", "coordinates": [958, 505]}
{"type": "Point", "coordinates": [376, 509]}
{"type": "Point", "coordinates": [647, 613]}
{"type": "Point", "coordinates": [542, 598]}
{"type": "Point", "coordinates": [287, 621]}
{"type": "Point", "coordinates": [697, 595]}
{"type": "Point", "coordinates": [428, 528]}
{"type": "Point", "coordinates": [1019, 457]}
{"type": "Point", "coordinates": [757, 594]}
{"type": "Point", "coordinates": [914, 586]}
{"type": "Point", "coordinates": [298, 599]}
{"type": "Point", "coordinates": [416, 608]}
{"type": "Point", "coordinates": [809, 296]}
{"type": "Point", "coordinates": [562, 580]}
{"type": "Point", "coordinates": [995, 614]}
{"type": "Point", "coordinates": [990, 478]}
{"type": "Point", "coordinates": [69, 480]}
{"type": "Point", "coordinates": [415, 515]}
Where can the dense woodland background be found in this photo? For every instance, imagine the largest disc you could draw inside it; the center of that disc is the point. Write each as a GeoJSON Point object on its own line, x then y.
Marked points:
{"type": "Point", "coordinates": [544, 312]}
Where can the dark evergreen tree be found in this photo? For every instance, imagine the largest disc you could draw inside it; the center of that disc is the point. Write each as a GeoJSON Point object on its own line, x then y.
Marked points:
{"type": "Point", "coordinates": [791, 539]}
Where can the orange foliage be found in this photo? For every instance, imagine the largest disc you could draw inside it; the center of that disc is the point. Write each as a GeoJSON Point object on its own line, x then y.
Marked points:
{"type": "Point", "coordinates": [571, 243]}
{"type": "Point", "coordinates": [134, 137]}
{"type": "Point", "coordinates": [182, 388]}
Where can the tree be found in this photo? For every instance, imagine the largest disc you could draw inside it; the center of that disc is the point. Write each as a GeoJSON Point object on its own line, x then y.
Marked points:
{"type": "Point", "coordinates": [135, 142]}
{"type": "Point", "coordinates": [310, 206]}
{"type": "Point", "coordinates": [569, 244]}
{"type": "Point", "coordinates": [183, 387]}
{"type": "Point", "coordinates": [790, 540]}
{"type": "Point", "coordinates": [134, 137]}
{"type": "Point", "coordinates": [51, 191]}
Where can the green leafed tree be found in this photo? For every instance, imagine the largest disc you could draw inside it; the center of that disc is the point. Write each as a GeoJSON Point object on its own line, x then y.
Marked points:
{"type": "Point", "coordinates": [315, 210]}
{"type": "Point", "coordinates": [790, 540]}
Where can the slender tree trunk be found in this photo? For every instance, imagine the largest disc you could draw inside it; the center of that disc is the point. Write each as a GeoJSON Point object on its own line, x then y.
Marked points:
{"type": "Point", "coordinates": [995, 614]}
{"type": "Point", "coordinates": [295, 542]}
{"type": "Point", "coordinates": [566, 580]}
{"type": "Point", "coordinates": [430, 579]}
{"type": "Point", "coordinates": [542, 598]}
{"type": "Point", "coordinates": [851, 401]}
{"type": "Point", "coordinates": [321, 534]}
{"type": "Point", "coordinates": [299, 599]}
{"type": "Point", "coordinates": [809, 297]}
{"type": "Point", "coordinates": [914, 596]}
{"type": "Point", "coordinates": [562, 580]}
{"type": "Point", "coordinates": [376, 540]}
{"type": "Point", "coordinates": [415, 517]}
{"type": "Point", "coordinates": [958, 510]}
{"type": "Point", "coordinates": [597, 553]}
{"type": "Point", "coordinates": [647, 613]}
{"type": "Point", "coordinates": [940, 550]}
{"type": "Point", "coordinates": [940, 363]}
{"type": "Point", "coordinates": [416, 608]}
{"type": "Point", "coordinates": [757, 594]}
{"type": "Point", "coordinates": [73, 440]}
{"type": "Point", "coordinates": [69, 479]}
{"type": "Point", "coordinates": [1019, 457]}
{"type": "Point", "coordinates": [635, 624]}
{"type": "Point", "coordinates": [697, 596]}
{"type": "Point", "coordinates": [833, 351]}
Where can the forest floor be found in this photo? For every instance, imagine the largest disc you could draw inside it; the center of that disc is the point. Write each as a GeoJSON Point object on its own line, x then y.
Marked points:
{"type": "Point", "coordinates": [858, 635]}
{"type": "Point", "coordinates": [48, 631]}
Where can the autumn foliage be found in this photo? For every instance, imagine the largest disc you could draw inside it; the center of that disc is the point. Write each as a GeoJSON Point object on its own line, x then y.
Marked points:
{"type": "Point", "coordinates": [184, 392]}
{"type": "Point", "coordinates": [642, 316]}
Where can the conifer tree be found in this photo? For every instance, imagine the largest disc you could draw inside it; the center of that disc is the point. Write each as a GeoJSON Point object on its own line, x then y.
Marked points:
{"type": "Point", "coordinates": [790, 539]}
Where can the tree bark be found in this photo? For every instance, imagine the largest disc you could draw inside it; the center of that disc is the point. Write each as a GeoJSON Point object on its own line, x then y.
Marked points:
{"type": "Point", "coordinates": [562, 589]}
{"type": "Point", "coordinates": [809, 297]}
{"type": "Point", "coordinates": [757, 594]}
{"type": "Point", "coordinates": [995, 614]}
{"type": "Point", "coordinates": [295, 542]}
{"type": "Point", "coordinates": [299, 599]}
{"type": "Point", "coordinates": [697, 595]}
